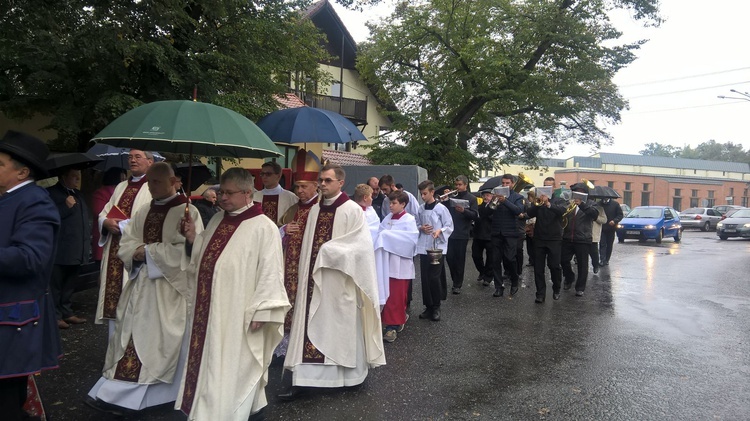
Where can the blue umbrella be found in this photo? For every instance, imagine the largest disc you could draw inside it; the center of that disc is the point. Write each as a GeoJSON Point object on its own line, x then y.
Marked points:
{"type": "Point", "coordinates": [114, 157]}
{"type": "Point", "coordinates": [309, 125]}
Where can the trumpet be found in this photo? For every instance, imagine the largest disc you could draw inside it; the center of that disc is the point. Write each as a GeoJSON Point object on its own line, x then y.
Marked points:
{"type": "Point", "coordinates": [447, 195]}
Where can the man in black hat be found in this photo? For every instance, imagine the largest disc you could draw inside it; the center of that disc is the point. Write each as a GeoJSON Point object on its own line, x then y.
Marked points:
{"type": "Point", "coordinates": [28, 334]}
{"type": "Point", "coordinates": [577, 238]}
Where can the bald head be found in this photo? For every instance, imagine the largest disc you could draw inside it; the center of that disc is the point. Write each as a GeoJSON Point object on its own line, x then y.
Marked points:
{"type": "Point", "coordinates": [161, 180]}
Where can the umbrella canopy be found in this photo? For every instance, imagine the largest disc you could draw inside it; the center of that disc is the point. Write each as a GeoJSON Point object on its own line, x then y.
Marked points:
{"type": "Point", "coordinates": [114, 157]}
{"type": "Point", "coordinates": [58, 162]}
{"type": "Point", "coordinates": [491, 183]}
{"type": "Point", "coordinates": [200, 174]}
{"type": "Point", "coordinates": [188, 127]}
{"type": "Point", "coordinates": [603, 192]}
{"type": "Point", "coordinates": [309, 125]}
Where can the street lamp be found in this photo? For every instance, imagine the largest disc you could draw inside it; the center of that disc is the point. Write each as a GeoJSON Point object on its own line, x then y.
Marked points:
{"type": "Point", "coordinates": [744, 95]}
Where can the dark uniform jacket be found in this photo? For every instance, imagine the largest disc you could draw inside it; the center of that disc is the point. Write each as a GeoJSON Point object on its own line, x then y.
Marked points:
{"type": "Point", "coordinates": [483, 224]}
{"type": "Point", "coordinates": [548, 225]}
{"type": "Point", "coordinates": [579, 225]}
{"type": "Point", "coordinates": [74, 239]}
{"type": "Point", "coordinates": [29, 340]}
{"type": "Point", "coordinates": [505, 217]}
{"type": "Point", "coordinates": [614, 213]}
{"type": "Point", "coordinates": [462, 221]}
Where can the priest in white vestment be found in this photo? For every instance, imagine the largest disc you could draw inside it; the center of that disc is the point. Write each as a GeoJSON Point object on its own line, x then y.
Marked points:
{"type": "Point", "coordinates": [128, 197]}
{"type": "Point", "coordinates": [142, 366]}
{"type": "Point", "coordinates": [237, 307]}
{"type": "Point", "coordinates": [336, 333]}
{"type": "Point", "coordinates": [275, 200]}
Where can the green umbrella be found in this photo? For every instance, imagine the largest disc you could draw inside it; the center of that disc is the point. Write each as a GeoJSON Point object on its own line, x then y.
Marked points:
{"type": "Point", "coordinates": [188, 127]}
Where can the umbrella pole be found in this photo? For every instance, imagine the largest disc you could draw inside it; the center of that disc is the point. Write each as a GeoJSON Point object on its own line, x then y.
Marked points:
{"type": "Point", "coordinates": [190, 174]}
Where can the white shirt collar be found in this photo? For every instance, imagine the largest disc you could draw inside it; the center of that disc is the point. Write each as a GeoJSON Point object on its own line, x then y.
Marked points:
{"type": "Point", "coordinates": [242, 209]}
{"type": "Point", "coordinates": [137, 179]}
{"type": "Point", "coordinates": [276, 190]}
{"type": "Point", "coordinates": [330, 201]}
{"type": "Point", "coordinates": [29, 181]}
{"type": "Point", "coordinates": [165, 201]}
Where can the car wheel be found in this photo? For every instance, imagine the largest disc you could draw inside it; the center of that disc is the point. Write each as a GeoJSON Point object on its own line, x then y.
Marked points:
{"type": "Point", "coordinates": [678, 236]}
{"type": "Point", "coordinates": [723, 237]}
{"type": "Point", "coordinates": [659, 236]}
{"type": "Point", "coordinates": [706, 226]}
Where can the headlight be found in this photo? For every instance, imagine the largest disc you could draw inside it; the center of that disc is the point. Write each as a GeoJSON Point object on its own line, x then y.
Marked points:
{"type": "Point", "coordinates": [719, 225]}
{"type": "Point", "coordinates": [746, 226]}
{"type": "Point", "coordinates": [620, 226]}
{"type": "Point", "coordinates": [649, 227]}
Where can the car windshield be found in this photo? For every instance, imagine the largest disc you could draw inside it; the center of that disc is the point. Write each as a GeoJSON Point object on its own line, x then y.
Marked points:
{"type": "Point", "coordinates": [742, 213]}
{"type": "Point", "coordinates": [652, 213]}
{"type": "Point", "coordinates": [693, 211]}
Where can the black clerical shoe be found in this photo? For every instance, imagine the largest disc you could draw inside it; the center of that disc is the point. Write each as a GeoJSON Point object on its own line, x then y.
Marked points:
{"type": "Point", "coordinates": [556, 296]}
{"type": "Point", "coordinates": [108, 408]}
{"type": "Point", "coordinates": [258, 416]}
{"type": "Point", "coordinates": [427, 314]}
{"type": "Point", "coordinates": [293, 393]}
{"type": "Point", "coordinates": [513, 291]}
{"type": "Point", "coordinates": [498, 292]}
{"type": "Point", "coordinates": [456, 291]}
{"type": "Point", "coordinates": [566, 286]}
{"type": "Point", "coordinates": [435, 316]}
{"type": "Point", "coordinates": [539, 300]}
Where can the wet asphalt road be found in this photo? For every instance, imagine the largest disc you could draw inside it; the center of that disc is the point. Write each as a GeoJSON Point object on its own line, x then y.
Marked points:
{"type": "Point", "coordinates": [662, 333]}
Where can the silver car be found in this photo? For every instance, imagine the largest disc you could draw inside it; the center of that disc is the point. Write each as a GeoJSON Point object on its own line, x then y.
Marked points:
{"type": "Point", "coordinates": [703, 218]}
{"type": "Point", "coordinates": [737, 225]}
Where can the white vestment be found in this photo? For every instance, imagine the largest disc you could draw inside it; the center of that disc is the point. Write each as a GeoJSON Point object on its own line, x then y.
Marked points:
{"type": "Point", "coordinates": [152, 312]}
{"type": "Point", "coordinates": [247, 286]}
{"type": "Point", "coordinates": [373, 222]}
{"type": "Point", "coordinates": [395, 248]}
{"type": "Point", "coordinates": [440, 219]}
{"type": "Point", "coordinates": [142, 198]}
{"type": "Point", "coordinates": [343, 318]}
{"type": "Point", "coordinates": [286, 200]}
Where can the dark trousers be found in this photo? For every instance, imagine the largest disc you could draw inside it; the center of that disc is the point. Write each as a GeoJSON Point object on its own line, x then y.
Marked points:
{"type": "Point", "coordinates": [605, 245]}
{"type": "Point", "coordinates": [548, 251]}
{"type": "Point", "coordinates": [530, 249]}
{"type": "Point", "coordinates": [431, 286]}
{"type": "Point", "coordinates": [12, 398]}
{"type": "Point", "coordinates": [61, 286]}
{"type": "Point", "coordinates": [581, 252]}
{"type": "Point", "coordinates": [504, 253]}
{"type": "Point", "coordinates": [519, 254]}
{"type": "Point", "coordinates": [484, 265]}
{"type": "Point", "coordinates": [594, 254]}
{"type": "Point", "coordinates": [456, 260]}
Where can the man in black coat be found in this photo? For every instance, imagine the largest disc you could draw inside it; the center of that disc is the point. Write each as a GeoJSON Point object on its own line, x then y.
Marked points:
{"type": "Point", "coordinates": [482, 243]}
{"type": "Point", "coordinates": [547, 238]}
{"type": "Point", "coordinates": [73, 245]}
{"type": "Point", "coordinates": [207, 206]}
{"type": "Point", "coordinates": [577, 238]}
{"type": "Point", "coordinates": [505, 235]}
{"type": "Point", "coordinates": [459, 239]}
{"type": "Point", "coordinates": [614, 215]}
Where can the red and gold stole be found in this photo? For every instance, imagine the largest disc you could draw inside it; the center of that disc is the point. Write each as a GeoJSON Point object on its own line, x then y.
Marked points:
{"type": "Point", "coordinates": [214, 248]}
{"type": "Point", "coordinates": [113, 281]}
{"type": "Point", "coordinates": [271, 206]}
{"type": "Point", "coordinates": [129, 367]}
{"type": "Point", "coordinates": [291, 258]}
{"type": "Point", "coordinates": [323, 233]}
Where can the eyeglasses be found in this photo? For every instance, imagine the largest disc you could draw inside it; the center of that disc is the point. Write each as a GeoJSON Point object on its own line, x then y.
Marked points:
{"type": "Point", "coordinates": [327, 180]}
{"type": "Point", "coordinates": [266, 174]}
{"type": "Point", "coordinates": [135, 157]}
{"type": "Point", "coordinates": [222, 193]}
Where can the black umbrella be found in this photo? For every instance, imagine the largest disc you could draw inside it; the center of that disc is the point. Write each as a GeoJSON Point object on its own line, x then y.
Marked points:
{"type": "Point", "coordinates": [114, 157]}
{"type": "Point", "coordinates": [491, 183]}
{"type": "Point", "coordinates": [603, 192]}
{"type": "Point", "coordinates": [200, 174]}
{"type": "Point", "coordinates": [58, 162]}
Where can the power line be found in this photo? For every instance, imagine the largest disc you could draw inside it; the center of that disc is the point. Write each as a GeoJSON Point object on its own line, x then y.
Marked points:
{"type": "Point", "coordinates": [685, 77]}
{"type": "Point", "coordinates": [688, 90]}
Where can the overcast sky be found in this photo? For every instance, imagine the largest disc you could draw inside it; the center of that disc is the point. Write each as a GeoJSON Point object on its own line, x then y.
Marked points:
{"type": "Point", "coordinates": [700, 52]}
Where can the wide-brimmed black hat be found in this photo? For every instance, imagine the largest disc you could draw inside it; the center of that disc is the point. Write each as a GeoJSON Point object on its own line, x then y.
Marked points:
{"type": "Point", "coordinates": [580, 187]}
{"type": "Point", "coordinates": [27, 149]}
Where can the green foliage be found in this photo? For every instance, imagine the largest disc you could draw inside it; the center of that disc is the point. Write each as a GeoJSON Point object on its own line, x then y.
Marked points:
{"type": "Point", "coordinates": [711, 151]}
{"type": "Point", "coordinates": [488, 82]}
{"type": "Point", "coordinates": [657, 149]}
{"type": "Point", "coordinates": [85, 62]}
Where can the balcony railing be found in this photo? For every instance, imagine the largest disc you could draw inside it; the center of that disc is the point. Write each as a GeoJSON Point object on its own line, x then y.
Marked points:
{"type": "Point", "coordinates": [353, 109]}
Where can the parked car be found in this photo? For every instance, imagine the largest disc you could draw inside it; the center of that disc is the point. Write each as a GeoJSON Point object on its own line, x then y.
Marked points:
{"type": "Point", "coordinates": [625, 208]}
{"type": "Point", "coordinates": [703, 218]}
{"type": "Point", "coordinates": [737, 225]}
{"type": "Point", "coordinates": [724, 208]}
{"type": "Point", "coordinates": [650, 222]}
{"type": "Point", "coordinates": [730, 212]}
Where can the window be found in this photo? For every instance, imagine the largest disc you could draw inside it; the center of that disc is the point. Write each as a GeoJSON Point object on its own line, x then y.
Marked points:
{"type": "Point", "coordinates": [677, 203]}
{"type": "Point", "coordinates": [627, 198]}
{"type": "Point", "coordinates": [645, 196]}
{"type": "Point", "coordinates": [710, 194]}
{"type": "Point", "coordinates": [336, 89]}
{"type": "Point", "coordinates": [611, 184]}
{"type": "Point", "coordinates": [645, 186]}
{"type": "Point", "coordinates": [731, 191]}
{"type": "Point", "coordinates": [693, 193]}
{"type": "Point", "coordinates": [710, 203]}
{"type": "Point", "coordinates": [627, 185]}
{"type": "Point", "coordinates": [694, 202]}
{"type": "Point", "coordinates": [678, 193]}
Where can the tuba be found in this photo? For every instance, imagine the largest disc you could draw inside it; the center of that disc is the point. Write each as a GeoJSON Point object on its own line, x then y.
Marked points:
{"type": "Point", "coordinates": [522, 182]}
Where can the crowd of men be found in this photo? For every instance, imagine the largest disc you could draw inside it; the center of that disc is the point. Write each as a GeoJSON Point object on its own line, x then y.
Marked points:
{"type": "Point", "coordinates": [200, 299]}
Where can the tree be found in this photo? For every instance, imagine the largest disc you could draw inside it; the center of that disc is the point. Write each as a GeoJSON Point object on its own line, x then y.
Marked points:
{"type": "Point", "coordinates": [495, 81]}
{"type": "Point", "coordinates": [85, 62]}
{"type": "Point", "coordinates": [657, 149]}
{"type": "Point", "coordinates": [714, 151]}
